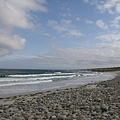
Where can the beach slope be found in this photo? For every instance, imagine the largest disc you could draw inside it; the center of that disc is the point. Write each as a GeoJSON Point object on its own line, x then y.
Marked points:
{"type": "Point", "coordinates": [96, 101]}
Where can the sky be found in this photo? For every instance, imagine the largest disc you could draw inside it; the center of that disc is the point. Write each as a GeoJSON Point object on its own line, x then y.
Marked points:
{"type": "Point", "coordinates": [59, 34]}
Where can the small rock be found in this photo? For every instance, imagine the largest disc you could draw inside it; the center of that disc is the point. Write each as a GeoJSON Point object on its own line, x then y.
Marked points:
{"type": "Point", "coordinates": [93, 114]}
{"type": "Point", "coordinates": [104, 114]}
{"type": "Point", "coordinates": [97, 108]}
{"type": "Point", "coordinates": [104, 107]}
{"type": "Point", "coordinates": [53, 117]}
{"type": "Point", "coordinates": [116, 117]}
{"type": "Point", "coordinates": [61, 117]}
{"type": "Point", "coordinates": [74, 115]}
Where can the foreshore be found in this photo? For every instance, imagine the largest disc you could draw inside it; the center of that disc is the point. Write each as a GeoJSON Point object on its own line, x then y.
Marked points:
{"type": "Point", "coordinates": [95, 101]}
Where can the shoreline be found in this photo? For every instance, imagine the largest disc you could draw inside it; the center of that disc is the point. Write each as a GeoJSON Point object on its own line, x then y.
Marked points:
{"type": "Point", "coordinates": [78, 82]}
{"type": "Point", "coordinates": [100, 100]}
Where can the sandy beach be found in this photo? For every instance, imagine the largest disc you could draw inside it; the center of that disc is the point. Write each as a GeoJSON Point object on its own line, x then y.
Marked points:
{"type": "Point", "coordinates": [95, 101]}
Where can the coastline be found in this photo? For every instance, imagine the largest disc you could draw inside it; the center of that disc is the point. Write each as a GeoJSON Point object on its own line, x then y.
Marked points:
{"type": "Point", "coordinates": [73, 83]}
{"type": "Point", "coordinates": [99, 100]}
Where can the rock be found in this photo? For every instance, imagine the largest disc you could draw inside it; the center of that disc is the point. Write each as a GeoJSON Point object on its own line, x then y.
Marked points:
{"type": "Point", "coordinates": [30, 117]}
{"type": "Point", "coordinates": [117, 117]}
{"type": "Point", "coordinates": [97, 108]}
{"type": "Point", "coordinates": [74, 116]}
{"type": "Point", "coordinates": [59, 107]}
{"type": "Point", "coordinates": [61, 117]}
{"type": "Point", "coordinates": [98, 99]}
{"type": "Point", "coordinates": [53, 117]}
{"type": "Point", "coordinates": [1, 111]}
{"type": "Point", "coordinates": [93, 113]}
{"type": "Point", "coordinates": [65, 113]}
{"type": "Point", "coordinates": [104, 107]}
{"type": "Point", "coordinates": [104, 114]}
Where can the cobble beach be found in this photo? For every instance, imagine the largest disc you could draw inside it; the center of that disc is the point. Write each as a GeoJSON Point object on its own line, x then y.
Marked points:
{"type": "Point", "coordinates": [94, 101]}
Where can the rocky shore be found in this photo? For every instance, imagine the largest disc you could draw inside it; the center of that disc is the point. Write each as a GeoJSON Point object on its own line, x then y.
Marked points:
{"type": "Point", "coordinates": [98, 101]}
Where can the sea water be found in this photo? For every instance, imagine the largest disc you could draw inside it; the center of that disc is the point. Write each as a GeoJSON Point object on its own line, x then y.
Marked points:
{"type": "Point", "coordinates": [17, 82]}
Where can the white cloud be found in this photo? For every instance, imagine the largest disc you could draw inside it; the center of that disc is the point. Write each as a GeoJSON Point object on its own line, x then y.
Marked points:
{"type": "Point", "coordinates": [110, 6]}
{"type": "Point", "coordinates": [67, 14]}
{"type": "Point", "coordinates": [86, 1]}
{"type": "Point", "coordinates": [118, 7]}
{"type": "Point", "coordinates": [116, 22]}
{"type": "Point", "coordinates": [16, 14]}
{"type": "Point", "coordinates": [9, 43]}
{"type": "Point", "coordinates": [92, 2]}
{"type": "Point", "coordinates": [65, 27]}
{"type": "Point", "coordinates": [89, 22]}
{"type": "Point", "coordinates": [86, 58]}
{"type": "Point", "coordinates": [113, 46]}
{"type": "Point", "coordinates": [109, 37]}
{"type": "Point", "coordinates": [75, 33]}
{"type": "Point", "coordinates": [106, 7]}
{"type": "Point", "coordinates": [101, 24]}
{"type": "Point", "coordinates": [77, 18]}
{"type": "Point", "coordinates": [105, 56]}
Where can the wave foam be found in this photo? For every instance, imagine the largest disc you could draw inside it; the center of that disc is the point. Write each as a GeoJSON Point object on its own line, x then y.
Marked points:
{"type": "Point", "coordinates": [25, 83]}
{"type": "Point", "coordinates": [37, 75]}
{"type": "Point", "coordinates": [33, 79]}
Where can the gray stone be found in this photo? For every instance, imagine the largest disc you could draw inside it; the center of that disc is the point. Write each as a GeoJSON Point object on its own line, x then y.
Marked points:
{"type": "Point", "coordinates": [97, 107]}
{"type": "Point", "coordinates": [104, 107]}
{"type": "Point", "coordinates": [104, 114]}
{"type": "Point", "coordinates": [61, 117]}
{"type": "Point", "coordinates": [117, 117]}
{"type": "Point", "coordinates": [74, 115]}
{"type": "Point", "coordinates": [53, 117]}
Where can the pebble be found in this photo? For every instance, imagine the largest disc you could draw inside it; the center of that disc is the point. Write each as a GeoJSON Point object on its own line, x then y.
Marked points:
{"type": "Point", "coordinates": [104, 107]}
{"type": "Point", "coordinates": [53, 116]}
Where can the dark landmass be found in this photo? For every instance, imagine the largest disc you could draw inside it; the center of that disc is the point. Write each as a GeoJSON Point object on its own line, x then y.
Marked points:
{"type": "Point", "coordinates": [110, 69]}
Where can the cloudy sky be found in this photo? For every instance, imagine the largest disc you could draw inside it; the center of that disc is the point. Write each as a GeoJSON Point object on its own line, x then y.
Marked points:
{"type": "Point", "coordinates": [59, 34]}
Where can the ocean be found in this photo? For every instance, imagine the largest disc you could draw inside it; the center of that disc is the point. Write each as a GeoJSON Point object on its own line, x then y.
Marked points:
{"type": "Point", "coordinates": [17, 82]}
